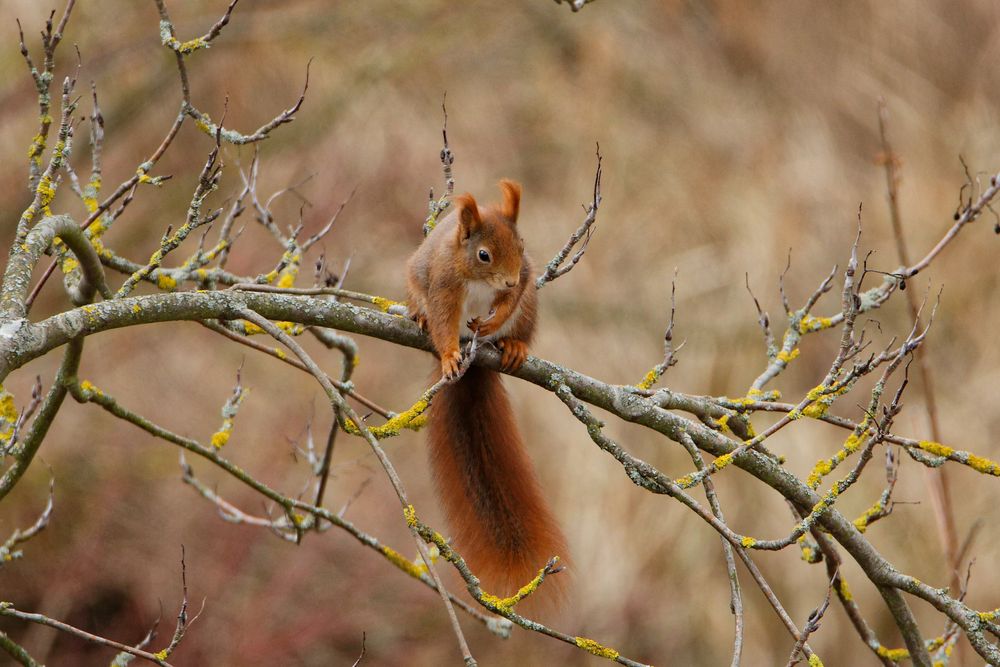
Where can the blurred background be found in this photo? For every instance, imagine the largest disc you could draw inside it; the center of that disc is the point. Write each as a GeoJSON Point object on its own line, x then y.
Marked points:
{"type": "Point", "coordinates": [730, 135]}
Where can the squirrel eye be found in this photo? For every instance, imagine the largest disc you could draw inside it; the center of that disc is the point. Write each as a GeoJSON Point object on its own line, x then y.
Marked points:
{"type": "Point", "coordinates": [484, 255]}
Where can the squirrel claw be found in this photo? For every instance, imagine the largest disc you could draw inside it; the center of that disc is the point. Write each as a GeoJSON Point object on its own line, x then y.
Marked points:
{"type": "Point", "coordinates": [481, 327]}
{"type": "Point", "coordinates": [421, 321]}
{"type": "Point", "coordinates": [513, 353]}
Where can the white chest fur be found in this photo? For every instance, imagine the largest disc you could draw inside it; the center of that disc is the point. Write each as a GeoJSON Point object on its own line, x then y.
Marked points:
{"type": "Point", "coordinates": [479, 297]}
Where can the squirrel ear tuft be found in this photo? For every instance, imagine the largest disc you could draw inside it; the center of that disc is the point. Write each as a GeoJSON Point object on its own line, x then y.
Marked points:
{"type": "Point", "coordinates": [469, 221]}
{"type": "Point", "coordinates": [511, 199]}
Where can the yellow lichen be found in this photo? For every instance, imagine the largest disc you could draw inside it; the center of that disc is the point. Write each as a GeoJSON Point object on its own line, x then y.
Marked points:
{"type": "Point", "coordinates": [530, 587]}
{"type": "Point", "coordinates": [506, 605]}
{"type": "Point", "coordinates": [844, 591]}
{"type": "Point", "coordinates": [649, 380]}
{"type": "Point", "coordinates": [984, 465]}
{"type": "Point", "coordinates": [748, 542]}
{"type": "Point", "coordinates": [190, 45]}
{"type": "Point", "coordinates": [88, 387]}
{"type": "Point", "coordinates": [814, 661]}
{"type": "Point", "coordinates": [402, 562]}
{"type": "Point", "coordinates": [290, 328]}
{"type": "Point", "coordinates": [165, 281]}
{"type": "Point", "coordinates": [411, 516]}
{"type": "Point", "coordinates": [815, 410]}
{"type": "Point", "coordinates": [37, 147]}
{"type": "Point", "coordinates": [136, 308]}
{"type": "Point", "coordinates": [597, 649]}
{"type": "Point", "coordinates": [893, 654]}
{"type": "Point", "coordinates": [810, 323]}
{"type": "Point", "coordinates": [45, 190]}
{"type": "Point", "coordinates": [722, 461]}
{"type": "Point", "coordinates": [808, 554]}
{"type": "Point", "coordinates": [412, 418]}
{"type": "Point", "coordinates": [935, 448]}
{"type": "Point", "coordinates": [69, 264]}
{"type": "Point", "coordinates": [861, 523]}
{"type": "Point", "coordinates": [853, 443]}
{"type": "Point", "coordinates": [684, 482]}
{"type": "Point", "coordinates": [821, 397]}
{"type": "Point", "coordinates": [723, 423]}
{"type": "Point", "coordinates": [823, 467]}
{"type": "Point", "coordinates": [162, 655]}
{"type": "Point", "coordinates": [8, 411]}
{"type": "Point", "coordinates": [820, 470]}
{"type": "Point", "coordinates": [384, 304]}
{"type": "Point", "coordinates": [495, 602]}
{"type": "Point", "coordinates": [786, 357]}
{"type": "Point", "coordinates": [287, 280]}
{"type": "Point", "coordinates": [220, 438]}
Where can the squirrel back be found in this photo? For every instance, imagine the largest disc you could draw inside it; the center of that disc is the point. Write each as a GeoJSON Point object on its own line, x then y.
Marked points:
{"type": "Point", "coordinates": [471, 274]}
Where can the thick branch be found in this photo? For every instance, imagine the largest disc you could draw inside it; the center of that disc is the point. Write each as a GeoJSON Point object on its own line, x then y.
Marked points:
{"type": "Point", "coordinates": [24, 258]}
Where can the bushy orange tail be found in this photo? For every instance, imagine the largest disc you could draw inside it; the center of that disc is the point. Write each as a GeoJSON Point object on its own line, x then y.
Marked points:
{"type": "Point", "coordinates": [499, 519]}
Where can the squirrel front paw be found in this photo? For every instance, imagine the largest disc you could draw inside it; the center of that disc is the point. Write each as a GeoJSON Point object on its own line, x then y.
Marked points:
{"type": "Point", "coordinates": [513, 353]}
{"type": "Point", "coordinates": [450, 363]}
{"type": "Point", "coordinates": [483, 327]}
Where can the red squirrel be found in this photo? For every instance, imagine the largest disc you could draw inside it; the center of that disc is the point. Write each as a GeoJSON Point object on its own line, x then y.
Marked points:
{"type": "Point", "coordinates": [471, 273]}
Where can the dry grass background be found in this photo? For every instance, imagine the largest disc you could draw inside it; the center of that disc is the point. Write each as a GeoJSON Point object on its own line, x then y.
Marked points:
{"type": "Point", "coordinates": [730, 135]}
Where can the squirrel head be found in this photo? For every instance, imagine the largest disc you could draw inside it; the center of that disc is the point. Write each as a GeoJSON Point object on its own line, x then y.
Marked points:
{"type": "Point", "coordinates": [493, 250]}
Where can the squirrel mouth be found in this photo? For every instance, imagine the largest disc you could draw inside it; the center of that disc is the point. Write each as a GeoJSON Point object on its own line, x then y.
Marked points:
{"type": "Point", "coordinates": [501, 285]}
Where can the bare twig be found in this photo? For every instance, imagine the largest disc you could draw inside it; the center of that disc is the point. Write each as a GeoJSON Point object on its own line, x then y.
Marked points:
{"type": "Point", "coordinates": [937, 480]}
{"type": "Point", "coordinates": [557, 266]}
{"type": "Point", "coordinates": [7, 609]}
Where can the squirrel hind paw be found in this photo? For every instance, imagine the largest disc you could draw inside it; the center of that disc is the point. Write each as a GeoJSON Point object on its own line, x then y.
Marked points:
{"type": "Point", "coordinates": [513, 353]}
{"type": "Point", "coordinates": [421, 320]}
{"type": "Point", "coordinates": [450, 364]}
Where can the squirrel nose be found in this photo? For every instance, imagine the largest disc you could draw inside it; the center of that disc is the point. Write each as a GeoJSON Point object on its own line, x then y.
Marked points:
{"type": "Point", "coordinates": [511, 283]}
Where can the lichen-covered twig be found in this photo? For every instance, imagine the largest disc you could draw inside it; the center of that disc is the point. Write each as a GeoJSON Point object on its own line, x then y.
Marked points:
{"type": "Point", "coordinates": [43, 81]}
{"type": "Point", "coordinates": [208, 182]}
{"type": "Point", "coordinates": [343, 411]}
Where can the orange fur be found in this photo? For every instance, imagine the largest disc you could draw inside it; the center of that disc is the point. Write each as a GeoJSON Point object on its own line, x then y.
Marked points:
{"type": "Point", "coordinates": [499, 519]}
